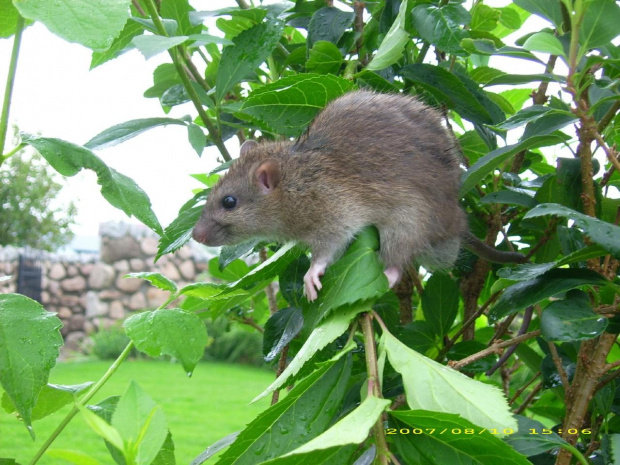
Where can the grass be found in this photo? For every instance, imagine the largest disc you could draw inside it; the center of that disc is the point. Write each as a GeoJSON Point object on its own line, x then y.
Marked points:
{"type": "Point", "coordinates": [199, 410]}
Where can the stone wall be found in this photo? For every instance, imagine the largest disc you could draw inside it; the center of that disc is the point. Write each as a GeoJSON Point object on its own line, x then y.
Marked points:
{"type": "Point", "coordinates": [88, 291]}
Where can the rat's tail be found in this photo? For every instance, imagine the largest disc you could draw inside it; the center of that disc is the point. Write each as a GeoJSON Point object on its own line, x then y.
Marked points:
{"type": "Point", "coordinates": [475, 245]}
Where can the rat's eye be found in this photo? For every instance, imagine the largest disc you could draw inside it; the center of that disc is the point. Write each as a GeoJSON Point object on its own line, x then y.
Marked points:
{"type": "Point", "coordinates": [229, 202]}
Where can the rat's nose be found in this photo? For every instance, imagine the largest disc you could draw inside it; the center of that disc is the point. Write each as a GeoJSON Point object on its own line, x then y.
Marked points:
{"type": "Point", "coordinates": [200, 233]}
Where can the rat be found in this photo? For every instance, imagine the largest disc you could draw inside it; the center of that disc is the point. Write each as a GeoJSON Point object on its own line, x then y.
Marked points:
{"type": "Point", "coordinates": [366, 159]}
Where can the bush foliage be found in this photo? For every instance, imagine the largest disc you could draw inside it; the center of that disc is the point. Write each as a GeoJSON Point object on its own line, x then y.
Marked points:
{"type": "Point", "coordinates": [531, 349]}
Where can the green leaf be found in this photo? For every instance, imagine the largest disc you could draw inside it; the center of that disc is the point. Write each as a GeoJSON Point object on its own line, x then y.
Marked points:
{"type": "Point", "coordinates": [443, 436]}
{"type": "Point", "coordinates": [352, 429]}
{"type": "Point", "coordinates": [529, 444]}
{"type": "Point", "coordinates": [510, 197]}
{"type": "Point", "coordinates": [544, 42]}
{"type": "Point", "coordinates": [102, 428]}
{"type": "Point", "coordinates": [29, 346]}
{"type": "Point", "coordinates": [487, 48]}
{"type": "Point", "coordinates": [442, 26]}
{"type": "Point", "coordinates": [332, 456]}
{"type": "Point", "coordinates": [484, 18]}
{"type": "Point", "coordinates": [196, 138]}
{"type": "Point", "coordinates": [232, 252]}
{"type": "Point", "coordinates": [171, 27]}
{"type": "Point", "coordinates": [331, 328]}
{"type": "Point", "coordinates": [600, 24]}
{"type": "Point", "coordinates": [525, 293]}
{"type": "Point", "coordinates": [432, 386]}
{"type": "Point", "coordinates": [152, 45]}
{"type": "Point", "coordinates": [119, 46]}
{"type": "Point", "coordinates": [440, 302]}
{"type": "Point", "coordinates": [543, 8]}
{"type": "Point", "coordinates": [179, 11]}
{"type": "Point", "coordinates": [513, 79]}
{"type": "Point", "coordinates": [280, 329]}
{"type": "Point", "coordinates": [256, 15]}
{"type": "Point", "coordinates": [179, 232]}
{"type": "Point", "coordinates": [127, 130]}
{"type": "Point", "coordinates": [604, 234]}
{"type": "Point", "coordinates": [234, 271]}
{"type": "Point", "coordinates": [451, 90]}
{"type": "Point", "coordinates": [324, 58]}
{"type": "Point", "coordinates": [119, 190]}
{"type": "Point", "coordinates": [140, 423]}
{"type": "Point", "coordinates": [156, 279]}
{"type": "Point", "coordinates": [571, 319]}
{"type": "Point", "coordinates": [523, 117]}
{"type": "Point", "coordinates": [92, 23]}
{"type": "Point", "coordinates": [393, 44]}
{"type": "Point", "coordinates": [72, 456]}
{"type": "Point", "coordinates": [328, 24]}
{"type": "Point", "coordinates": [203, 39]}
{"type": "Point", "coordinates": [302, 415]}
{"type": "Point", "coordinates": [252, 47]}
{"type": "Point", "coordinates": [358, 275]}
{"type": "Point", "coordinates": [8, 19]}
{"type": "Point", "coordinates": [290, 104]}
{"type": "Point", "coordinates": [366, 78]}
{"type": "Point", "coordinates": [548, 123]}
{"type": "Point", "coordinates": [487, 164]}
{"type": "Point", "coordinates": [173, 332]}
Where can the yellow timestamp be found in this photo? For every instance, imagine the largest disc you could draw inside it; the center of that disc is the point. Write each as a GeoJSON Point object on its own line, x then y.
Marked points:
{"type": "Point", "coordinates": [474, 431]}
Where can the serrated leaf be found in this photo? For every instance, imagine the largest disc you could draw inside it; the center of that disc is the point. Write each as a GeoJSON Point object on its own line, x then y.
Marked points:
{"type": "Point", "coordinates": [328, 24]}
{"type": "Point", "coordinates": [172, 332]}
{"type": "Point", "coordinates": [119, 190]}
{"type": "Point", "coordinates": [92, 23]}
{"type": "Point", "coordinates": [232, 252]}
{"type": "Point", "coordinates": [487, 164]}
{"type": "Point", "coordinates": [600, 24]}
{"type": "Point", "coordinates": [442, 26]}
{"type": "Point", "coordinates": [548, 123]}
{"type": "Point", "coordinates": [140, 423]}
{"type": "Point", "coordinates": [179, 11]}
{"type": "Point", "coordinates": [488, 48]}
{"type": "Point", "coordinates": [533, 444]}
{"type": "Point", "coordinates": [127, 130]}
{"type": "Point", "coordinates": [332, 456]}
{"type": "Point", "coordinates": [252, 47]}
{"type": "Point", "coordinates": [203, 39]}
{"type": "Point", "coordinates": [571, 319]}
{"type": "Point", "coordinates": [102, 428]}
{"type": "Point", "coordinates": [119, 46]}
{"type": "Point", "coordinates": [510, 197]}
{"type": "Point", "coordinates": [358, 275]}
{"type": "Point", "coordinates": [544, 42]}
{"type": "Point", "coordinates": [234, 271]}
{"type": "Point", "coordinates": [280, 329]}
{"type": "Point", "coordinates": [302, 415]}
{"type": "Point", "coordinates": [513, 79]}
{"type": "Point", "coordinates": [196, 138]}
{"type": "Point", "coordinates": [215, 448]}
{"type": "Point", "coordinates": [548, 10]}
{"type": "Point", "coordinates": [522, 117]}
{"type": "Point", "coordinates": [179, 232]}
{"type": "Point", "coordinates": [291, 281]}
{"type": "Point", "coordinates": [600, 232]}
{"type": "Point", "coordinates": [393, 44]}
{"type": "Point", "coordinates": [152, 45]}
{"type": "Point", "coordinates": [29, 346]}
{"type": "Point", "coordinates": [366, 78]}
{"type": "Point", "coordinates": [290, 104]}
{"type": "Point", "coordinates": [451, 90]}
{"type": "Point", "coordinates": [352, 429]}
{"type": "Point", "coordinates": [441, 434]}
{"type": "Point", "coordinates": [432, 386]}
{"type": "Point", "coordinates": [156, 279]}
{"type": "Point", "coordinates": [524, 293]}
{"type": "Point", "coordinates": [331, 328]}
{"type": "Point", "coordinates": [324, 58]}
{"type": "Point", "coordinates": [440, 302]}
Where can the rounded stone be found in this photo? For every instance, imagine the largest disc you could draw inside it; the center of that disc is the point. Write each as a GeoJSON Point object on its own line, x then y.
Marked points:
{"type": "Point", "coordinates": [57, 271]}
{"type": "Point", "coordinates": [101, 276]}
{"type": "Point", "coordinates": [75, 284]}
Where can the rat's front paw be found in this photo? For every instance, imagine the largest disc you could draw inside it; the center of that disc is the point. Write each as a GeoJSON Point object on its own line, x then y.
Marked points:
{"type": "Point", "coordinates": [312, 280]}
{"type": "Point", "coordinates": [393, 275]}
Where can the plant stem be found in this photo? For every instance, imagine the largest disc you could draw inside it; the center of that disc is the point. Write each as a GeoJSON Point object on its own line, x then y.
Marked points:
{"type": "Point", "coordinates": [374, 386]}
{"type": "Point", "coordinates": [10, 81]}
{"type": "Point", "coordinates": [177, 58]}
{"type": "Point", "coordinates": [82, 402]}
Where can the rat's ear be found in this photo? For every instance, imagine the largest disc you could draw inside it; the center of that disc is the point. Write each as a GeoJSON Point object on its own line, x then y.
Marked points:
{"type": "Point", "coordinates": [247, 146]}
{"type": "Point", "coordinates": [267, 175]}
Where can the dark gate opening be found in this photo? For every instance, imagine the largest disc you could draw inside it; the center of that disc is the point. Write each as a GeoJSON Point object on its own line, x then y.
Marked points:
{"type": "Point", "coordinates": [29, 273]}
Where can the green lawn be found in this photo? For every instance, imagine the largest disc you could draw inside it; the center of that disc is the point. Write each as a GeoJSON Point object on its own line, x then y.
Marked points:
{"type": "Point", "coordinates": [200, 410]}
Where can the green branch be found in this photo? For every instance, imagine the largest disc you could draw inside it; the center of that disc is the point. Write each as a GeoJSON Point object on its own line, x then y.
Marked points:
{"type": "Point", "coordinates": [10, 81]}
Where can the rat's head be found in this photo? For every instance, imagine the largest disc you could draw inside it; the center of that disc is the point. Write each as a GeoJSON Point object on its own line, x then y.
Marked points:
{"type": "Point", "coordinates": [244, 202]}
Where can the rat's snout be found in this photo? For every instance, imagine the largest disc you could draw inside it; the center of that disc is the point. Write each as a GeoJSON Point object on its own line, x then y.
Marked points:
{"type": "Point", "coordinates": [201, 233]}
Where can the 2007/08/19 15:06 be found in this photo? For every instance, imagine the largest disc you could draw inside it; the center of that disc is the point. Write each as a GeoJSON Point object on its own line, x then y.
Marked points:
{"type": "Point", "coordinates": [505, 431]}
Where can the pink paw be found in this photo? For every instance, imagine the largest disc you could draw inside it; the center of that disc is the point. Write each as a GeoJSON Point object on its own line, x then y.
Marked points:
{"type": "Point", "coordinates": [312, 281]}
{"type": "Point", "coordinates": [393, 275]}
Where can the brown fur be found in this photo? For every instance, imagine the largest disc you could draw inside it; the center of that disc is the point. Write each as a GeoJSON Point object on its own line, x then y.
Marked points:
{"type": "Point", "coordinates": [366, 159]}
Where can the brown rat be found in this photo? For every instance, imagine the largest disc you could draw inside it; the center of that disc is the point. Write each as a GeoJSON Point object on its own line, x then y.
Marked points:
{"type": "Point", "coordinates": [367, 158]}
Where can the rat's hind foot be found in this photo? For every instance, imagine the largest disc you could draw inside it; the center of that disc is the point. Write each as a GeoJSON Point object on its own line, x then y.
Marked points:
{"type": "Point", "coordinates": [393, 275]}
{"type": "Point", "coordinates": [312, 280]}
